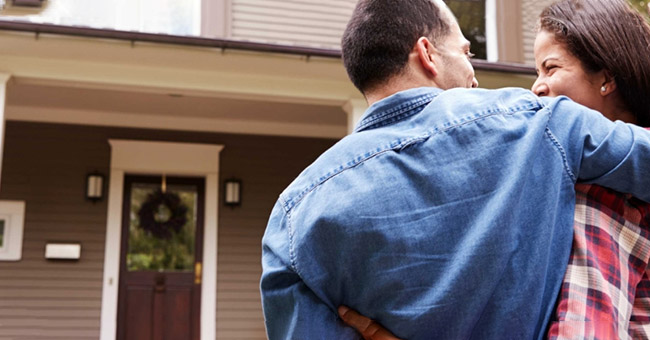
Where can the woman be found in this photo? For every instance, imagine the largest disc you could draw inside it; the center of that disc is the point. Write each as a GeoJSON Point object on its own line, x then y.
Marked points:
{"type": "Point", "coordinates": [597, 52]}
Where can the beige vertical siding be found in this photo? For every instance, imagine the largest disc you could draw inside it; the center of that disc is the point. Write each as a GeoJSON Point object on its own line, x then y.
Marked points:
{"type": "Point", "coordinates": [46, 164]}
{"type": "Point", "coordinates": [291, 22]}
{"type": "Point", "coordinates": [529, 16]}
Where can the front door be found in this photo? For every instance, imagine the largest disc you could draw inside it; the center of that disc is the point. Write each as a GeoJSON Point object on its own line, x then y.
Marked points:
{"type": "Point", "coordinates": [160, 266]}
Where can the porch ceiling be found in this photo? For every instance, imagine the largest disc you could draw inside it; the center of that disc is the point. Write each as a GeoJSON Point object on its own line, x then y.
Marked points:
{"type": "Point", "coordinates": [66, 103]}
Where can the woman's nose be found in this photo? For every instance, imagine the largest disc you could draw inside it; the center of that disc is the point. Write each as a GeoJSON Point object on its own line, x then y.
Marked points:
{"type": "Point", "coordinates": [474, 82]}
{"type": "Point", "coordinates": [540, 88]}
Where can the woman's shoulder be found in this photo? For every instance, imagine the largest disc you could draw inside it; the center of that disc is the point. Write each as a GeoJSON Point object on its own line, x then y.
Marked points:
{"type": "Point", "coordinates": [613, 204]}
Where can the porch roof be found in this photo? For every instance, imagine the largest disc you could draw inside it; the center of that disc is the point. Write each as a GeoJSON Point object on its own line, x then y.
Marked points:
{"type": "Point", "coordinates": [223, 44]}
{"type": "Point", "coordinates": [102, 77]}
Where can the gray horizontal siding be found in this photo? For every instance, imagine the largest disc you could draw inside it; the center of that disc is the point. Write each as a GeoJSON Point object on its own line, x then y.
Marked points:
{"type": "Point", "coordinates": [46, 164]}
{"type": "Point", "coordinates": [531, 10]}
{"type": "Point", "coordinates": [294, 22]}
{"type": "Point", "coordinates": [41, 299]}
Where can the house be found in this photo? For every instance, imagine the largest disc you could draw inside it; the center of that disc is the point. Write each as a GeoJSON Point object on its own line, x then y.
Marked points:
{"type": "Point", "coordinates": [105, 103]}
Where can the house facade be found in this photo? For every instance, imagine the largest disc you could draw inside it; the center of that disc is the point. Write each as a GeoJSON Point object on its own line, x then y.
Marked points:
{"type": "Point", "coordinates": [244, 93]}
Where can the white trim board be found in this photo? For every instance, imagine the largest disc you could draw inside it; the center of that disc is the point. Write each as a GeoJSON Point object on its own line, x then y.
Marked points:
{"type": "Point", "coordinates": [491, 35]}
{"type": "Point", "coordinates": [145, 121]}
{"type": "Point", "coordinates": [147, 157]}
{"type": "Point", "coordinates": [4, 78]}
{"type": "Point", "coordinates": [171, 69]}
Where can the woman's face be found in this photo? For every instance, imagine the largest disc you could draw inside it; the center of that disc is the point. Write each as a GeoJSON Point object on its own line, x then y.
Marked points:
{"type": "Point", "coordinates": [560, 73]}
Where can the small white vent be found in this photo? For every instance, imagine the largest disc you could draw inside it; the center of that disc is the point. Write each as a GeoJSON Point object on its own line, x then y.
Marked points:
{"type": "Point", "coordinates": [27, 3]}
{"type": "Point", "coordinates": [22, 7]}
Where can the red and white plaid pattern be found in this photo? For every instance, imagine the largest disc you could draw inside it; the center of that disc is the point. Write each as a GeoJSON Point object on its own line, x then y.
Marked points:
{"type": "Point", "coordinates": [606, 289]}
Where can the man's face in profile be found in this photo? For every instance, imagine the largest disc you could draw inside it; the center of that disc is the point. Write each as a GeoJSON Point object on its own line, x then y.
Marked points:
{"type": "Point", "coordinates": [455, 69]}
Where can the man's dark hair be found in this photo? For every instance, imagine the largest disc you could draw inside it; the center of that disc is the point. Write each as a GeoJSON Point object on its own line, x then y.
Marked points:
{"type": "Point", "coordinates": [381, 34]}
{"type": "Point", "coordinates": [609, 35]}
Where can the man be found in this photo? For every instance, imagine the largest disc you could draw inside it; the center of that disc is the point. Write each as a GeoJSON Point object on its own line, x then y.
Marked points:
{"type": "Point", "coordinates": [448, 213]}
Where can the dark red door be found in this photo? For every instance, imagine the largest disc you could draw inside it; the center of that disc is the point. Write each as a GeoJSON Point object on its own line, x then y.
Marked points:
{"type": "Point", "coordinates": [160, 270]}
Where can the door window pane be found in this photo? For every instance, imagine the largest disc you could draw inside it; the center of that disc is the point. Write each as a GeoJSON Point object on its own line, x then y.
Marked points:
{"type": "Point", "coordinates": [471, 18]}
{"type": "Point", "coordinates": [153, 244]}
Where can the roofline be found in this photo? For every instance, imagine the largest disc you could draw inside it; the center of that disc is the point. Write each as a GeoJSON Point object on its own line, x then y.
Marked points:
{"type": "Point", "coordinates": [485, 65]}
{"type": "Point", "coordinates": [220, 43]}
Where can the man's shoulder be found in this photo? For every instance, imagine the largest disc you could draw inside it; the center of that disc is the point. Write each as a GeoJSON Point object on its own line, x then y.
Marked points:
{"type": "Point", "coordinates": [479, 100]}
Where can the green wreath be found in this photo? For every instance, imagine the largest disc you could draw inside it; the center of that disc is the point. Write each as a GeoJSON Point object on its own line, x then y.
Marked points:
{"type": "Point", "coordinates": [162, 214]}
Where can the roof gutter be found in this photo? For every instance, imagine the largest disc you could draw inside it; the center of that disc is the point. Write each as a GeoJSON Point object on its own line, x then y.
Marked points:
{"type": "Point", "coordinates": [219, 43]}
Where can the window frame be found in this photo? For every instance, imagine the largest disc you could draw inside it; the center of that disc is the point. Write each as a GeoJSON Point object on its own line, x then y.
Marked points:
{"type": "Point", "coordinates": [13, 213]}
{"type": "Point", "coordinates": [491, 31]}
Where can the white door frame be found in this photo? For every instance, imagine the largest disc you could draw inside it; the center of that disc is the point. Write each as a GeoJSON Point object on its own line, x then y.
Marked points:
{"type": "Point", "coordinates": [148, 157]}
{"type": "Point", "coordinates": [4, 78]}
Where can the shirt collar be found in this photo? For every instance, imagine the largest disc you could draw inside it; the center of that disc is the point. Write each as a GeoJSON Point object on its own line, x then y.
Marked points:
{"type": "Point", "coordinates": [396, 107]}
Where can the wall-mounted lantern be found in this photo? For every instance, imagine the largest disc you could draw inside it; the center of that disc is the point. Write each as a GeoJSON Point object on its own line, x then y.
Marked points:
{"type": "Point", "coordinates": [232, 192]}
{"type": "Point", "coordinates": [94, 187]}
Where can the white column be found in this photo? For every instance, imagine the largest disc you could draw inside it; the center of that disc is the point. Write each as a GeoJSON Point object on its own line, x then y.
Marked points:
{"type": "Point", "coordinates": [491, 30]}
{"type": "Point", "coordinates": [210, 241]}
{"type": "Point", "coordinates": [4, 78]}
{"type": "Point", "coordinates": [108, 318]}
{"type": "Point", "coordinates": [355, 108]}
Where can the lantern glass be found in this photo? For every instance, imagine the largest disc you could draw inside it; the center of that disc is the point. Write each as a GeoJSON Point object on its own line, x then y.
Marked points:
{"type": "Point", "coordinates": [94, 187]}
{"type": "Point", "coordinates": [232, 195]}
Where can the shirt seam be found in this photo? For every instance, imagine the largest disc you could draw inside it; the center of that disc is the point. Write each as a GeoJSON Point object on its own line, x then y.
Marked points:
{"type": "Point", "coordinates": [479, 116]}
{"type": "Point", "coordinates": [292, 253]}
{"type": "Point", "coordinates": [560, 149]}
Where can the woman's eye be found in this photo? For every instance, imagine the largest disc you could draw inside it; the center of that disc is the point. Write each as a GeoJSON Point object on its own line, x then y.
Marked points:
{"type": "Point", "coordinates": [469, 54]}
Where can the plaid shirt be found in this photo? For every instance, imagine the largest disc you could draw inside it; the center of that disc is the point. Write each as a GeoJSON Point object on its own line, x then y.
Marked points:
{"type": "Point", "coordinates": [606, 289]}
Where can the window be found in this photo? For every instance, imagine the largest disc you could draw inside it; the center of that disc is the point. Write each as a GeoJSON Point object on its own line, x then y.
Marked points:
{"type": "Point", "coordinates": [148, 250]}
{"type": "Point", "coordinates": [11, 230]}
{"type": "Point", "coordinates": [472, 20]}
{"type": "Point", "coordinates": [177, 17]}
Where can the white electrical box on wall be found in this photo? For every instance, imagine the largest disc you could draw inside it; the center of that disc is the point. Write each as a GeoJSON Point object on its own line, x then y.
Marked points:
{"type": "Point", "coordinates": [62, 251]}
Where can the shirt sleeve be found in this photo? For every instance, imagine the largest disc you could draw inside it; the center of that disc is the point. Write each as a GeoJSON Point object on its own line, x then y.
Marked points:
{"type": "Point", "coordinates": [291, 309]}
{"type": "Point", "coordinates": [612, 154]}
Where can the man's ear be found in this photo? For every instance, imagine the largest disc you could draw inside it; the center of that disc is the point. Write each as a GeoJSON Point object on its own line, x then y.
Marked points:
{"type": "Point", "coordinates": [608, 84]}
{"type": "Point", "coordinates": [426, 52]}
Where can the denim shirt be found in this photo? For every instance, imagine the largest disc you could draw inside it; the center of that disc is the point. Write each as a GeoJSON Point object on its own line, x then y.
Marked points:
{"type": "Point", "coordinates": [445, 215]}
